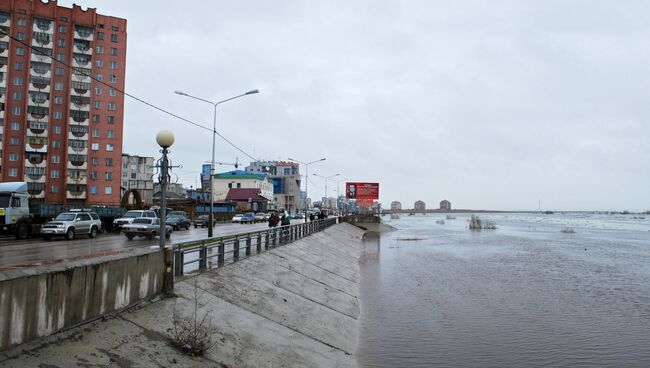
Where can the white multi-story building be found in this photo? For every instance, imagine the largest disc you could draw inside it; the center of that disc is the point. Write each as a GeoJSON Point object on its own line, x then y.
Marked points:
{"type": "Point", "coordinates": [137, 175]}
{"type": "Point", "coordinates": [223, 182]}
{"type": "Point", "coordinates": [286, 182]}
{"type": "Point", "coordinates": [395, 206]}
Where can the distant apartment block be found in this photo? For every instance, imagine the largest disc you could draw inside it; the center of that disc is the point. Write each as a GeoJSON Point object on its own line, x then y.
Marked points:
{"type": "Point", "coordinates": [286, 182]}
{"type": "Point", "coordinates": [395, 206]}
{"type": "Point", "coordinates": [137, 176]}
{"type": "Point", "coordinates": [445, 205]}
{"type": "Point", "coordinates": [61, 130]}
{"type": "Point", "coordinates": [419, 206]}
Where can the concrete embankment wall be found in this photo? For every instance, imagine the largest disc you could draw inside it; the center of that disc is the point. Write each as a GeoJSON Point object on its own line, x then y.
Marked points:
{"type": "Point", "coordinates": [40, 301]}
{"type": "Point", "coordinates": [295, 305]}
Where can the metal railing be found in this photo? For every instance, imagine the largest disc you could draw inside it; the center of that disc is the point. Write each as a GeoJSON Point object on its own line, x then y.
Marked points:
{"type": "Point", "coordinates": [199, 255]}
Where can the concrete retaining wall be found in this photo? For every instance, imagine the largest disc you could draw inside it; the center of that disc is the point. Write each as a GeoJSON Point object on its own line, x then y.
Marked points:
{"type": "Point", "coordinates": [40, 302]}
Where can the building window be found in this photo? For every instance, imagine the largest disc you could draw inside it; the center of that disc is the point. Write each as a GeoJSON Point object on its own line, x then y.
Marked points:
{"type": "Point", "coordinates": [93, 189]}
{"type": "Point", "coordinates": [100, 49]}
{"type": "Point", "coordinates": [108, 190]}
{"type": "Point", "coordinates": [109, 147]}
{"type": "Point", "coordinates": [15, 125]}
{"type": "Point", "coordinates": [17, 95]}
{"type": "Point", "coordinates": [95, 118]}
{"type": "Point", "coordinates": [113, 64]}
{"type": "Point", "coordinates": [20, 36]}
{"type": "Point", "coordinates": [109, 133]}
{"type": "Point", "coordinates": [111, 106]}
{"type": "Point", "coordinates": [54, 188]}
{"type": "Point", "coordinates": [57, 129]}
{"type": "Point", "coordinates": [112, 79]}
{"type": "Point", "coordinates": [62, 29]}
{"type": "Point", "coordinates": [56, 159]}
{"type": "Point", "coordinates": [20, 51]}
{"type": "Point", "coordinates": [95, 133]}
{"type": "Point", "coordinates": [93, 175]}
{"type": "Point", "coordinates": [57, 114]}
{"type": "Point", "coordinates": [61, 42]}
{"type": "Point", "coordinates": [19, 65]}
{"type": "Point", "coordinates": [18, 81]}
{"type": "Point", "coordinates": [98, 91]}
{"type": "Point", "coordinates": [112, 92]}
{"type": "Point", "coordinates": [13, 171]}
{"type": "Point", "coordinates": [109, 161]}
{"type": "Point", "coordinates": [16, 110]}
{"type": "Point", "coordinates": [60, 56]}
{"type": "Point", "coordinates": [113, 38]}
{"type": "Point", "coordinates": [111, 119]}
{"type": "Point", "coordinates": [94, 160]}
{"type": "Point", "coordinates": [58, 100]}
{"type": "Point", "coordinates": [58, 86]}
{"type": "Point", "coordinates": [98, 76]}
{"type": "Point", "coordinates": [56, 144]}
{"type": "Point", "coordinates": [94, 146]}
{"type": "Point", "coordinates": [108, 175]}
{"type": "Point", "coordinates": [13, 141]}
{"type": "Point", "coordinates": [54, 174]}
{"type": "Point", "coordinates": [59, 71]}
{"type": "Point", "coordinates": [100, 35]}
{"type": "Point", "coordinates": [97, 104]}
{"type": "Point", "coordinates": [99, 63]}
{"type": "Point", "coordinates": [114, 28]}
{"type": "Point", "coordinates": [13, 156]}
{"type": "Point", "coordinates": [114, 51]}
{"type": "Point", "coordinates": [22, 22]}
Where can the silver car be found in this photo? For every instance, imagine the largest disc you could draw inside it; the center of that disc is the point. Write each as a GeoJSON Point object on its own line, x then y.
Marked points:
{"type": "Point", "coordinates": [71, 224]}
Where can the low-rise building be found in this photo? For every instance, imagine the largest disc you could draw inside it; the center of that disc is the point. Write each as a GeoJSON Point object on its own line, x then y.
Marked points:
{"type": "Point", "coordinates": [420, 206]}
{"type": "Point", "coordinates": [238, 179]}
{"type": "Point", "coordinates": [248, 199]}
{"type": "Point", "coordinates": [395, 206]}
{"type": "Point", "coordinates": [137, 176]}
{"type": "Point", "coordinates": [445, 205]}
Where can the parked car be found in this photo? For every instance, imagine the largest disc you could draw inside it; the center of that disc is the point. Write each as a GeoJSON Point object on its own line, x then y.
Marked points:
{"type": "Point", "coordinates": [248, 217]}
{"type": "Point", "coordinates": [260, 217]}
{"type": "Point", "coordinates": [177, 220]}
{"type": "Point", "coordinates": [71, 224]}
{"type": "Point", "coordinates": [299, 216]}
{"type": "Point", "coordinates": [145, 226]}
{"type": "Point", "coordinates": [203, 221]}
{"type": "Point", "coordinates": [237, 218]}
{"type": "Point", "coordinates": [129, 216]}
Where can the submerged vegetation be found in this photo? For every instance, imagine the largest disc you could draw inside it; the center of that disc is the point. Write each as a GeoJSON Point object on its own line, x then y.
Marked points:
{"type": "Point", "coordinates": [475, 223]}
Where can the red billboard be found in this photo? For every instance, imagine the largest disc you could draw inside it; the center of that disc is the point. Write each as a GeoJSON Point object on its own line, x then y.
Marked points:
{"type": "Point", "coordinates": [362, 190]}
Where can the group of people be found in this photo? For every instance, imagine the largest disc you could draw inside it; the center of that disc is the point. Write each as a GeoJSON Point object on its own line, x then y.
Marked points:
{"type": "Point", "coordinates": [282, 218]}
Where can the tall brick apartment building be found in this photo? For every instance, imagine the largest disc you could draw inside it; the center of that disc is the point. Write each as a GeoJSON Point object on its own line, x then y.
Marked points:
{"type": "Point", "coordinates": [61, 130]}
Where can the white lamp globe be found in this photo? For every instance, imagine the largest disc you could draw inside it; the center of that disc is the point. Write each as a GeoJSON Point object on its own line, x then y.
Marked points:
{"type": "Point", "coordinates": [165, 138]}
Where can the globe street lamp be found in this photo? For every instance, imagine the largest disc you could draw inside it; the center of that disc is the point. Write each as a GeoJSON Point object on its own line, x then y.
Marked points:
{"type": "Point", "coordinates": [214, 134]}
{"type": "Point", "coordinates": [326, 179]}
{"type": "Point", "coordinates": [165, 139]}
{"type": "Point", "coordinates": [306, 178]}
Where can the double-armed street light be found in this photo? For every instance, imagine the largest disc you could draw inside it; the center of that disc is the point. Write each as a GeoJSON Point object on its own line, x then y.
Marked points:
{"type": "Point", "coordinates": [326, 179]}
{"type": "Point", "coordinates": [306, 178]}
{"type": "Point", "coordinates": [214, 134]}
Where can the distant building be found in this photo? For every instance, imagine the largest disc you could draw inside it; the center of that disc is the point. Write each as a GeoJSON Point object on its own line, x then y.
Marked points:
{"type": "Point", "coordinates": [395, 206]}
{"type": "Point", "coordinates": [248, 199]}
{"type": "Point", "coordinates": [174, 191]}
{"type": "Point", "coordinates": [445, 205]}
{"type": "Point", "coordinates": [237, 179]}
{"type": "Point", "coordinates": [137, 175]}
{"type": "Point", "coordinates": [420, 206]}
{"type": "Point", "coordinates": [286, 183]}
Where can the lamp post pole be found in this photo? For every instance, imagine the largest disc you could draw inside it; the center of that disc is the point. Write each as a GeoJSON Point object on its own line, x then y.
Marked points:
{"type": "Point", "coordinates": [165, 139]}
{"type": "Point", "coordinates": [306, 178]}
{"type": "Point", "coordinates": [326, 179]}
{"type": "Point", "coordinates": [214, 136]}
{"type": "Point", "coordinates": [338, 195]}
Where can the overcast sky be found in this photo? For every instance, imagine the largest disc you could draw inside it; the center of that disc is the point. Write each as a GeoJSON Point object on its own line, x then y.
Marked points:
{"type": "Point", "coordinates": [489, 104]}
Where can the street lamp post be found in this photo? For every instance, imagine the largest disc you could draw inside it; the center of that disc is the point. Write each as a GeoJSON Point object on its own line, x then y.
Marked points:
{"type": "Point", "coordinates": [165, 139]}
{"type": "Point", "coordinates": [338, 195]}
{"type": "Point", "coordinates": [307, 178]}
{"type": "Point", "coordinates": [326, 179]}
{"type": "Point", "coordinates": [214, 135]}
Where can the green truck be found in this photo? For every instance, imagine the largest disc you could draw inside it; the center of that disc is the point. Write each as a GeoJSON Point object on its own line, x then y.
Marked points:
{"type": "Point", "coordinates": [20, 219]}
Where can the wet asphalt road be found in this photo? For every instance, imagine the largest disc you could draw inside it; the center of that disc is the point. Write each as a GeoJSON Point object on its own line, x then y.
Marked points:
{"type": "Point", "coordinates": [34, 252]}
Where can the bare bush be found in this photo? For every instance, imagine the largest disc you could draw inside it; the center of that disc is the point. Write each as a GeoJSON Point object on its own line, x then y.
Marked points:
{"type": "Point", "coordinates": [193, 335]}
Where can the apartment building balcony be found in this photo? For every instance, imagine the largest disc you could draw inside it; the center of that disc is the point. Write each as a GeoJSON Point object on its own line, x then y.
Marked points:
{"type": "Point", "coordinates": [42, 39]}
{"type": "Point", "coordinates": [39, 84]}
{"type": "Point", "coordinates": [81, 61]}
{"type": "Point", "coordinates": [81, 75]}
{"type": "Point", "coordinates": [3, 64]}
{"type": "Point", "coordinates": [75, 194]}
{"type": "Point", "coordinates": [77, 162]}
{"type": "Point", "coordinates": [80, 103]}
{"type": "Point", "coordinates": [39, 99]}
{"type": "Point", "coordinates": [36, 160]}
{"type": "Point", "coordinates": [76, 177]}
{"type": "Point", "coordinates": [41, 70]}
{"type": "Point", "coordinates": [43, 25]}
{"type": "Point", "coordinates": [80, 89]}
{"type": "Point", "coordinates": [37, 129]}
{"type": "Point", "coordinates": [5, 19]}
{"type": "Point", "coordinates": [3, 92]}
{"type": "Point", "coordinates": [78, 131]}
{"type": "Point", "coordinates": [76, 118]}
{"type": "Point", "coordinates": [36, 189]}
{"type": "Point", "coordinates": [5, 31]}
{"type": "Point", "coordinates": [83, 33]}
{"type": "Point", "coordinates": [40, 58]}
{"type": "Point", "coordinates": [4, 48]}
{"type": "Point", "coordinates": [82, 47]}
{"type": "Point", "coordinates": [2, 114]}
{"type": "Point", "coordinates": [36, 145]}
{"type": "Point", "coordinates": [77, 147]}
{"type": "Point", "coordinates": [35, 174]}
{"type": "Point", "coordinates": [39, 113]}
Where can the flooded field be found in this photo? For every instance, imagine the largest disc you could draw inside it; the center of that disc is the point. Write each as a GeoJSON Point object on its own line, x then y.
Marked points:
{"type": "Point", "coordinates": [524, 295]}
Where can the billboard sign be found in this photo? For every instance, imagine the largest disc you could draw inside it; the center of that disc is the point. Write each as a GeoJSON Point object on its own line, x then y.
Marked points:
{"type": "Point", "coordinates": [365, 202]}
{"type": "Point", "coordinates": [356, 190]}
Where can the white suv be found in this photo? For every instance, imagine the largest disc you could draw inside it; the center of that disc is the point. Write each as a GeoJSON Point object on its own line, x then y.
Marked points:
{"type": "Point", "coordinates": [70, 224]}
{"type": "Point", "coordinates": [129, 216]}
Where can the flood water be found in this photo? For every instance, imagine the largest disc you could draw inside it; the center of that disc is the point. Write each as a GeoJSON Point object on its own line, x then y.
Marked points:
{"type": "Point", "coordinates": [524, 295]}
